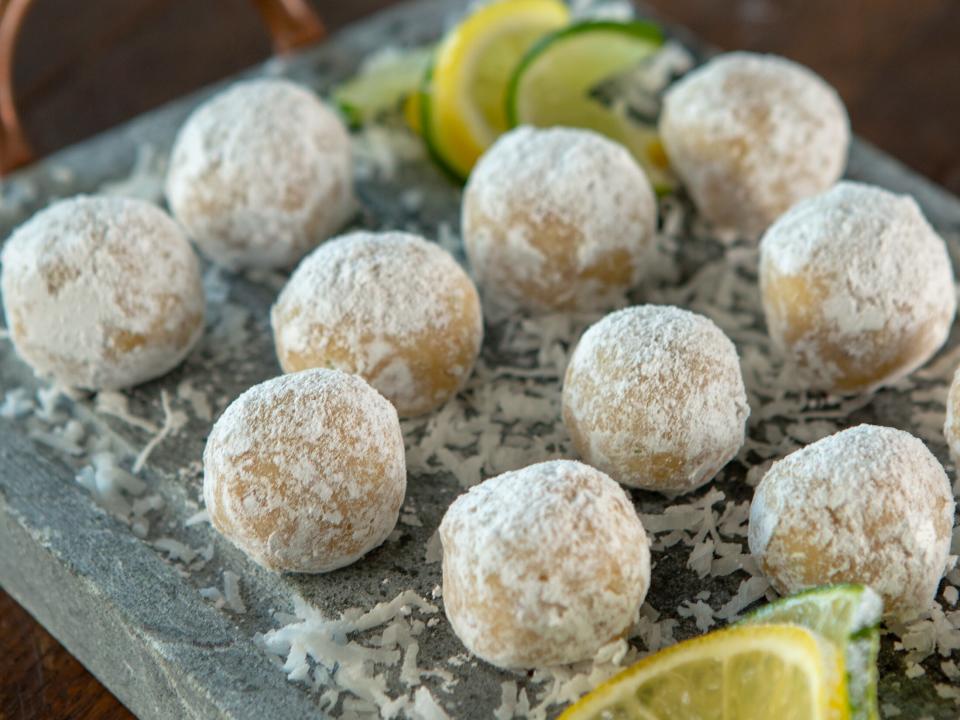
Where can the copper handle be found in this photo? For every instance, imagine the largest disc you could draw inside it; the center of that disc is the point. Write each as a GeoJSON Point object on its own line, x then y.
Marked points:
{"type": "Point", "coordinates": [292, 24]}
{"type": "Point", "coordinates": [14, 148]}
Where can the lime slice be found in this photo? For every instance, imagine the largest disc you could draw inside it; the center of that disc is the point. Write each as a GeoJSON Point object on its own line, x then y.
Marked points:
{"type": "Point", "coordinates": [555, 84]}
{"type": "Point", "coordinates": [382, 87]}
{"type": "Point", "coordinates": [758, 672]}
{"type": "Point", "coordinates": [463, 107]}
{"type": "Point", "coordinates": [847, 616]}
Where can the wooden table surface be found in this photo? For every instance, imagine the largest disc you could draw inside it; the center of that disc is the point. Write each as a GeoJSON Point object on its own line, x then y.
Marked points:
{"type": "Point", "coordinates": [82, 67]}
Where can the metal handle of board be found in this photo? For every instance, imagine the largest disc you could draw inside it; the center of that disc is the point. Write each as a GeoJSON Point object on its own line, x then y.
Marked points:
{"type": "Point", "coordinates": [291, 24]}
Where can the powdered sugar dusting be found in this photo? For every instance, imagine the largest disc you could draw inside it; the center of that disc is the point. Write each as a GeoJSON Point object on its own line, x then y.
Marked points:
{"type": "Point", "coordinates": [557, 218]}
{"type": "Point", "coordinates": [392, 307]}
{"type": "Point", "coordinates": [260, 174]}
{"type": "Point", "coordinates": [951, 424]}
{"type": "Point", "coordinates": [751, 135]}
{"type": "Point", "coordinates": [653, 396]}
{"type": "Point", "coordinates": [877, 287]}
{"type": "Point", "coordinates": [129, 268]}
{"type": "Point", "coordinates": [869, 504]}
{"type": "Point", "coordinates": [543, 565]}
{"type": "Point", "coordinates": [306, 471]}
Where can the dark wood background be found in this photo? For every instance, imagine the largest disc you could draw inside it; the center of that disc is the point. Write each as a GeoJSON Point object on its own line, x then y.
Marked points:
{"type": "Point", "coordinates": [84, 66]}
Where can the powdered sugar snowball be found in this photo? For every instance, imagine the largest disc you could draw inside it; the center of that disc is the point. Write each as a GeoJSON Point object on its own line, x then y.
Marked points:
{"type": "Point", "coordinates": [951, 425]}
{"type": "Point", "coordinates": [543, 565]}
{"type": "Point", "coordinates": [306, 472]}
{"type": "Point", "coordinates": [260, 174]}
{"type": "Point", "coordinates": [654, 396]}
{"type": "Point", "coordinates": [868, 505]}
{"type": "Point", "coordinates": [102, 292]}
{"type": "Point", "coordinates": [557, 219]}
{"type": "Point", "coordinates": [751, 134]}
{"type": "Point", "coordinates": [391, 307]}
{"type": "Point", "coordinates": [857, 288]}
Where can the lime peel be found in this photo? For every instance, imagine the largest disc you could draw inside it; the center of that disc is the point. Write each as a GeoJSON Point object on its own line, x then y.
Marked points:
{"type": "Point", "coordinates": [847, 615]}
{"type": "Point", "coordinates": [553, 85]}
{"type": "Point", "coordinates": [383, 87]}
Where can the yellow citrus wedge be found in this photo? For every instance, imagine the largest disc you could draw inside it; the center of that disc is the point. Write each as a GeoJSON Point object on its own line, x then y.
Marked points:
{"type": "Point", "coordinates": [464, 102]}
{"type": "Point", "coordinates": [763, 672]}
{"type": "Point", "coordinates": [847, 616]}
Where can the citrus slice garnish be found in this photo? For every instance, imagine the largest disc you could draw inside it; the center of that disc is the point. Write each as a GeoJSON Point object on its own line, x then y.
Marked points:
{"type": "Point", "coordinates": [746, 672]}
{"type": "Point", "coordinates": [463, 106]}
{"type": "Point", "coordinates": [382, 87]}
{"type": "Point", "coordinates": [848, 616]}
{"type": "Point", "coordinates": [556, 83]}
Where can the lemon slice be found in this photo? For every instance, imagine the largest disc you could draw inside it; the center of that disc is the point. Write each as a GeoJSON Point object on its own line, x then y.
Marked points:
{"type": "Point", "coordinates": [763, 672]}
{"type": "Point", "coordinates": [556, 83]}
{"type": "Point", "coordinates": [383, 86]}
{"type": "Point", "coordinates": [848, 616]}
{"type": "Point", "coordinates": [463, 107]}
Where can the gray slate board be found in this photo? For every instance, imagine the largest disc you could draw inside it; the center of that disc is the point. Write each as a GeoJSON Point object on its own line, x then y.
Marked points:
{"type": "Point", "coordinates": [141, 626]}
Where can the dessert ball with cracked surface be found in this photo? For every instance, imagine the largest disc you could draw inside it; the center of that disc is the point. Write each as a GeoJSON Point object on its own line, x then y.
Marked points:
{"type": "Point", "coordinates": [392, 307]}
{"type": "Point", "coordinates": [306, 472]}
{"type": "Point", "coordinates": [543, 565]}
{"type": "Point", "coordinates": [751, 134]}
{"type": "Point", "coordinates": [102, 292]}
{"type": "Point", "coordinates": [557, 219]}
{"type": "Point", "coordinates": [654, 397]}
{"type": "Point", "coordinates": [261, 174]}
{"type": "Point", "coordinates": [857, 288]}
{"type": "Point", "coordinates": [868, 505]}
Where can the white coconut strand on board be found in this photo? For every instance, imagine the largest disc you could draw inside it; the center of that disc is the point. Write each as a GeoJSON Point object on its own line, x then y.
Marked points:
{"type": "Point", "coordinates": [110, 484]}
{"type": "Point", "coordinates": [115, 403]}
{"type": "Point", "coordinates": [196, 399]}
{"type": "Point", "coordinates": [17, 403]}
{"type": "Point", "coordinates": [174, 549]}
{"type": "Point", "coordinates": [201, 516]}
{"type": "Point", "coordinates": [173, 421]}
{"type": "Point", "coordinates": [336, 653]}
{"type": "Point", "coordinates": [231, 592]}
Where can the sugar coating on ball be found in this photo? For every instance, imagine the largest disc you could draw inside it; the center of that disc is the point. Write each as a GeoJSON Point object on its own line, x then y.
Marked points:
{"type": "Point", "coordinates": [750, 135]}
{"type": "Point", "coordinates": [951, 425]}
{"type": "Point", "coordinates": [857, 288]}
{"type": "Point", "coordinates": [260, 174]}
{"type": "Point", "coordinates": [867, 505]}
{"type": "Point", "coordinates": [557, 219]}
{"type": "Point", "coordinates": [543, 566]}
{"type": "Point", "coordinates": [654, 397]}
{"type": "Point", "coordinates": [101, 292]}
{"type": "Point", "coordinates": [391, 307]}
{"type": "Point", "coordinates": [306, 472]}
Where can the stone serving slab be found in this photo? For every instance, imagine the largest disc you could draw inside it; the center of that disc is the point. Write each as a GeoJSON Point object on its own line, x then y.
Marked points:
{"type": "Point", "coordinates": [136, 619]}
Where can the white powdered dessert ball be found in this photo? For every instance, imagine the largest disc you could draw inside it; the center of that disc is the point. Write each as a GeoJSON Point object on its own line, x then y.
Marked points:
{"type": "Point", "coordinates": [951, 426]}
{"type": "Point", "coordinates": [306, 472]}
{"type": "Point", "coordinates": [101, 292]}
{"type": "Point", "coordinates": [867, 505]}
{"type": "Point", "coordinates": [260, 174]}
{"type": "Point", "coordinates": [654, 397]}
{"type": "Point", "coordinates": [750, 135]}
{"type": "Point", "coordinates": [857, 288]}
{"type": "Point", "coordinates": [557, 219]}
{"type": "Point", "coordinates": [391, 307]}
{"type": "Point", "coordinates": [543, 566]}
